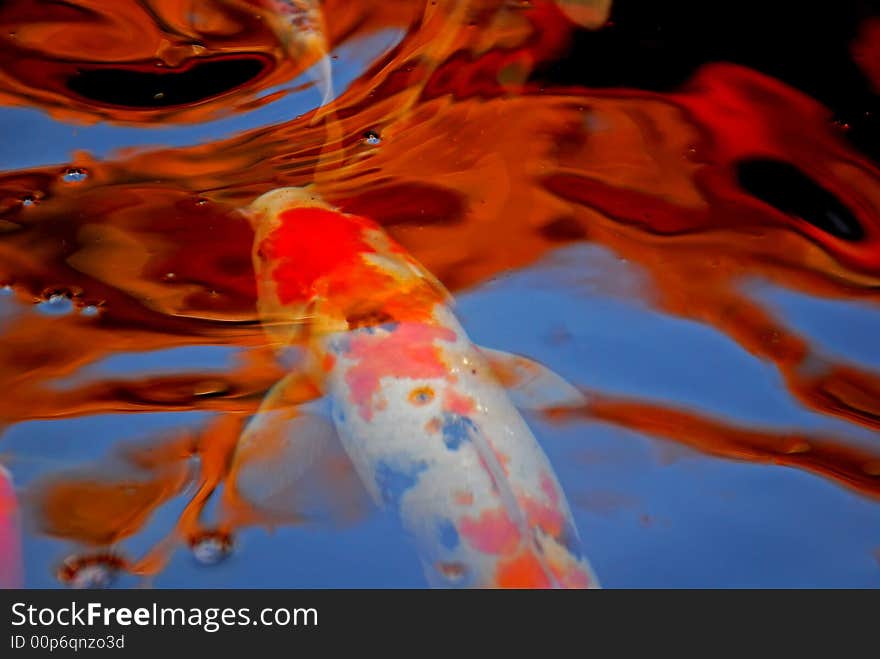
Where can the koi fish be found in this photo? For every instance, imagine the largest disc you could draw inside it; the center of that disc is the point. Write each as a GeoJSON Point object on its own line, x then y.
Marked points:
{"type": "Point", "coordinates": [419, 409]}
{"type": "Point", "coordinates": [299, 27]}
{"type": "Point", "coordinates": [10, 539]}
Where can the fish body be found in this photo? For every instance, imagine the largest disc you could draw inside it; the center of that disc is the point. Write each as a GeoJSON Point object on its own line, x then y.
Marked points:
{"type": "Point", "coordinates": [299, 27]}
{"type": "Point", "coordinates": [10, 538]}
{"type": "Point", "coordinates": [428, 427]}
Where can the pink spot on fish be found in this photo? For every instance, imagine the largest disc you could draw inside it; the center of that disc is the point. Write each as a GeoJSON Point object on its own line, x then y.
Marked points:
{"type": "Point", "coordinates": [548, 487]}
{"type": "Point", "coordinates": [407, 351]}
{"type": "Point", "coordinates": [493, 532]}
{"type": "Point", "coordinates": [457, 403]}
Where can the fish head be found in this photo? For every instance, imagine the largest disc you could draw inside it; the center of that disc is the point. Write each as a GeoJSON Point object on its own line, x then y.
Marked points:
{"type": "Point", "coordinates": [322, 268]}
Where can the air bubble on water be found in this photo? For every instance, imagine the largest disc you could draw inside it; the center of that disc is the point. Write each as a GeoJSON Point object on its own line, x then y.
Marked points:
{"type": "Point", "coordinates": [89, 571]}
{"type": "Point", "coordinates": [169, 276]}
{"type": "Point", "coordinates": [158, 96]}
{"type": "Point", "coordinates": [91, 311]}
{"type": "Point", "coordinates": [92, 576]}
{"type": "Point", "coordinates": [6, 290]}
{"type": "Point", "coordinates": [56, 304]}
{"type": "Point", "coordinates": [372, 138]}
{"type": "Point", "coordinates": [75, 175]}
{"type": "Point", "coordinates": [211, 547]}
{"type": "Point", "coordinates": [28, 200]}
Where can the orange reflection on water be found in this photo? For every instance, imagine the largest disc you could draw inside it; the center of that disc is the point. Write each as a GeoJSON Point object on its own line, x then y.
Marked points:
{"type": "Point", "coordinates": [478, 171]}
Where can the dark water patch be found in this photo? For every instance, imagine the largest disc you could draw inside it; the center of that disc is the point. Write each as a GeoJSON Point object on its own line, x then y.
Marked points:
{"type": "Point", "coordinates": [148, 86]}
{"type": "Point", "coordinates": [788, 189]}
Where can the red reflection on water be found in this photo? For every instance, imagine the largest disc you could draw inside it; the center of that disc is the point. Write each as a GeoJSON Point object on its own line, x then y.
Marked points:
{"type": "Point", "coordinates": [866, 51]}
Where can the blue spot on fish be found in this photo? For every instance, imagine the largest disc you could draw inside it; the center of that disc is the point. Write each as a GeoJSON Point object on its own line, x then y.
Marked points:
{"type": "Point", "coordinates": [447, 534]}
{"type": "Point", "coordinates": [457, 430]}
{"type": "Point", "coordinates": [336, 412]}
{"type": "Point", "coordinates": [340, 345]}
{"type": "Point", "coordinates": [393, 482]}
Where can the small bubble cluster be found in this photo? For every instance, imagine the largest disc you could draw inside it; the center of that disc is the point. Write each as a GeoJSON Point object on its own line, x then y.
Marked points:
{"type": "Point", "coordinates": [74, 175]}
{"type": "Point", "coordinates": [97, 571]}
{"type": "Point", "coordinates": [211, 547]}
{"type": "Point", "coordinates": [55, 304]}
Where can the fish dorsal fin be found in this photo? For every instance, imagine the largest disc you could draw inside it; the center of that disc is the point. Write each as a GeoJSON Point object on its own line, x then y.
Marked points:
{"type": "Point", "coordinates": [530, 385]}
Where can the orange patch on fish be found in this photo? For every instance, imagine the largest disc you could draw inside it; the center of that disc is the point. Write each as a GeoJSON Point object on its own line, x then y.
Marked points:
{"type": "Point", "coordinates": [406, 351]}
{"type": "Point", "coordinates": [522, 571]}
{"type": "Point", "coordinates": [464, 498]}
{"type": "Point", "coordinates": [453, 571]}
{"type": "Point", "coordinates": [492, 532]}
{"type": "Point", "coordinates": [546, 517]}
{"type": "Point", "coordinates": [328, 362]}
{"type": "Point", "coordinates": [421, 396]}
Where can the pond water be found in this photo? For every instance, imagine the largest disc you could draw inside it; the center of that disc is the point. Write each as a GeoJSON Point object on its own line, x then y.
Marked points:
{"type": "Point", "coordinates": [677, 210]}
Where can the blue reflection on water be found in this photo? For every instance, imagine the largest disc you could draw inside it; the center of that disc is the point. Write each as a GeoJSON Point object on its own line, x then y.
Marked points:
{"type": "Point", "coordinates": [32, 139]}
{"type": "Point", "coordinates": [651, 513]}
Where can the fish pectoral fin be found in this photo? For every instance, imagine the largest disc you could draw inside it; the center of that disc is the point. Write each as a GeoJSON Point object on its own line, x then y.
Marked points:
{"type": "Point", "coordinates": [289, 467]}
{"type": "Point", "coordinates": [530, 385]}
{"type": "Point", "coordinates": [289, 392]}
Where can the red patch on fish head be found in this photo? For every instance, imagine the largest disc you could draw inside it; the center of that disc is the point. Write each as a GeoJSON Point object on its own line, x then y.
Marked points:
{"type": "Point", "coordinates": [359, 275]}
{"type": "Point", "coordinates": [311, 243]}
